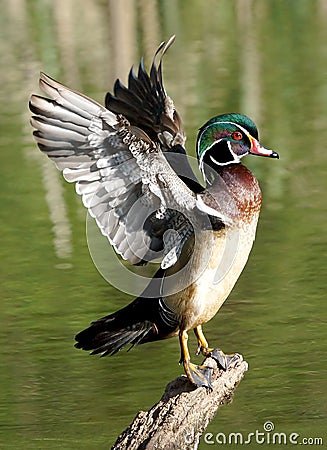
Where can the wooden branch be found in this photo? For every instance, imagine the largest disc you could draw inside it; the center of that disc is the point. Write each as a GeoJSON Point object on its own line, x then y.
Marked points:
{"type": "Point", "coordinates": [178, 420]}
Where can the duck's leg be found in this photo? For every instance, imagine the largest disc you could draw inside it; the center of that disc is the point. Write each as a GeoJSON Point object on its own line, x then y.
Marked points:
{"type": "Point", "coordinates": [222, 359]}
{"type": "Point", "coordinates": [198, 375]}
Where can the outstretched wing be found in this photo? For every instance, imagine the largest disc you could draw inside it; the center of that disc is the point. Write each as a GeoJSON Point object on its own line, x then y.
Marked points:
{"type": "Point", "coordinates": [115, 157]}
{"type": "Point", "coordinates": [123, 177]}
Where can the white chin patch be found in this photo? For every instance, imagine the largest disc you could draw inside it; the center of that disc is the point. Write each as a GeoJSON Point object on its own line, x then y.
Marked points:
{"type": "Point", "coordinates": [235, 160]}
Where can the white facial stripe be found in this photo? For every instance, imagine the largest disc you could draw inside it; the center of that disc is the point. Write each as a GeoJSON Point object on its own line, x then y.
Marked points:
{"type": "Point", "coordinates": [230, 123]}
{"type": "Point", "coordinates": [202, 156]}
{"type": "Point", "coordinates": [215, 142]}
{"type": "Point", "coordinates": [223, 164]}
{"type": "Point", "coordinates": [236, 158]}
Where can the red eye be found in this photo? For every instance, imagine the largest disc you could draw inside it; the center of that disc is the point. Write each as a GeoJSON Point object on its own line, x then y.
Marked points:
{"type": "Point", "coordinates": [237, 136]}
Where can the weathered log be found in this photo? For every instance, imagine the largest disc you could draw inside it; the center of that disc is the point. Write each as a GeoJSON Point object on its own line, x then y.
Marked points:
{"type": "Point", "coordinates": [179, 419]}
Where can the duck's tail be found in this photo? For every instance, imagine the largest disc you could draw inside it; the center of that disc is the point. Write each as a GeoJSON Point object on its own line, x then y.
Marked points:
{"type": "Point", "coordinates": [139, 322]}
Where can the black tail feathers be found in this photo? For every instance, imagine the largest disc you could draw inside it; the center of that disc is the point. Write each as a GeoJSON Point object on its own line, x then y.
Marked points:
{"type": "Point", "coordinates": [137, 323]}
{"type": "Point", "coordinates": [104, 337]}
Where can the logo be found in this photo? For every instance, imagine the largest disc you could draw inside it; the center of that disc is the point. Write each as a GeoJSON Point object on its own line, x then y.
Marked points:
{"type": "Point", "coordinates": [268, 436]}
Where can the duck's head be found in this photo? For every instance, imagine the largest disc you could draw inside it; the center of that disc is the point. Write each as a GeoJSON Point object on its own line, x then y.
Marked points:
{"type": "Point", "coordinates": [225, 139]}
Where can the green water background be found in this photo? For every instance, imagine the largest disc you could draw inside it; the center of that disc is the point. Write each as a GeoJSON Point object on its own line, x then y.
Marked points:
{"type": "Point", "coordinates": [266, 59]}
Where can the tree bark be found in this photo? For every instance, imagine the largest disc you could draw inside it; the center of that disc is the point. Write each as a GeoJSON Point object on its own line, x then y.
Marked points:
{"type": "Point", "coordinates": [180, 417]}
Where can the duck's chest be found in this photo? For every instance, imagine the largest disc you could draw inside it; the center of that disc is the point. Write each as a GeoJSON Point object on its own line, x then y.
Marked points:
{"type": "Point", "coordinates": [221, 257]}
{"type": "Point", "coordinates": [218, 266]}
{"type": "Point", "coordinates": [236, 194]}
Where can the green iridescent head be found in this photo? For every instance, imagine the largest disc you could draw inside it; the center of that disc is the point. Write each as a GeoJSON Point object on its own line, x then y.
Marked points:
{"type": "Point", "coordinates": [225, 139]}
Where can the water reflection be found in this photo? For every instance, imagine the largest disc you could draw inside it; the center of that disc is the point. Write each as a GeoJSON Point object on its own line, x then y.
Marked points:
{"type": "Point", "coordinates": [265, 59]}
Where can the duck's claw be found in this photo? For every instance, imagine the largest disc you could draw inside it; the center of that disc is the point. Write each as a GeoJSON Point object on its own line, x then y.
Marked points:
{"type": "Point", "coordinates": [198, 375]}
{"type": "Point", "coordinates": [223, 360]}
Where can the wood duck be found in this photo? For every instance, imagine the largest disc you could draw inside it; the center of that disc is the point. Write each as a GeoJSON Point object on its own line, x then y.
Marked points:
{"type": "Point", "coordinates": [133, 151]}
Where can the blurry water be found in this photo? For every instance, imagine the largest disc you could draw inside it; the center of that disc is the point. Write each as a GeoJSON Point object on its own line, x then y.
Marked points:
{"type": "Point", "coordinates": [265, 59]}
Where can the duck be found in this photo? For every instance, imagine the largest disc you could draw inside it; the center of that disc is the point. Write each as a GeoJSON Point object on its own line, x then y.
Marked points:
{"type": "Point", "coordinates": [129, 164]}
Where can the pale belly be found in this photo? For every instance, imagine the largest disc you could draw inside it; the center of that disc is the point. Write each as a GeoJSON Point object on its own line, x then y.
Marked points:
{"type": "Point", "coordinates": [219, 264]}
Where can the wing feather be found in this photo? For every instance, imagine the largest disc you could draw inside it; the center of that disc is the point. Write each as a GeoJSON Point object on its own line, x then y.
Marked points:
{"type": "Point", "coordinates": [115, 156]}
{"type": "Point", "coordinates": [121, 175]}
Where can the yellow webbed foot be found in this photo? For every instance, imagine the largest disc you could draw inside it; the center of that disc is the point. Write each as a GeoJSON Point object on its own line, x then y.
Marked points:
{"type": "Point", "coordinates": [200, 376]}
{"type": "Point", "coordinates": [223, 360]}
